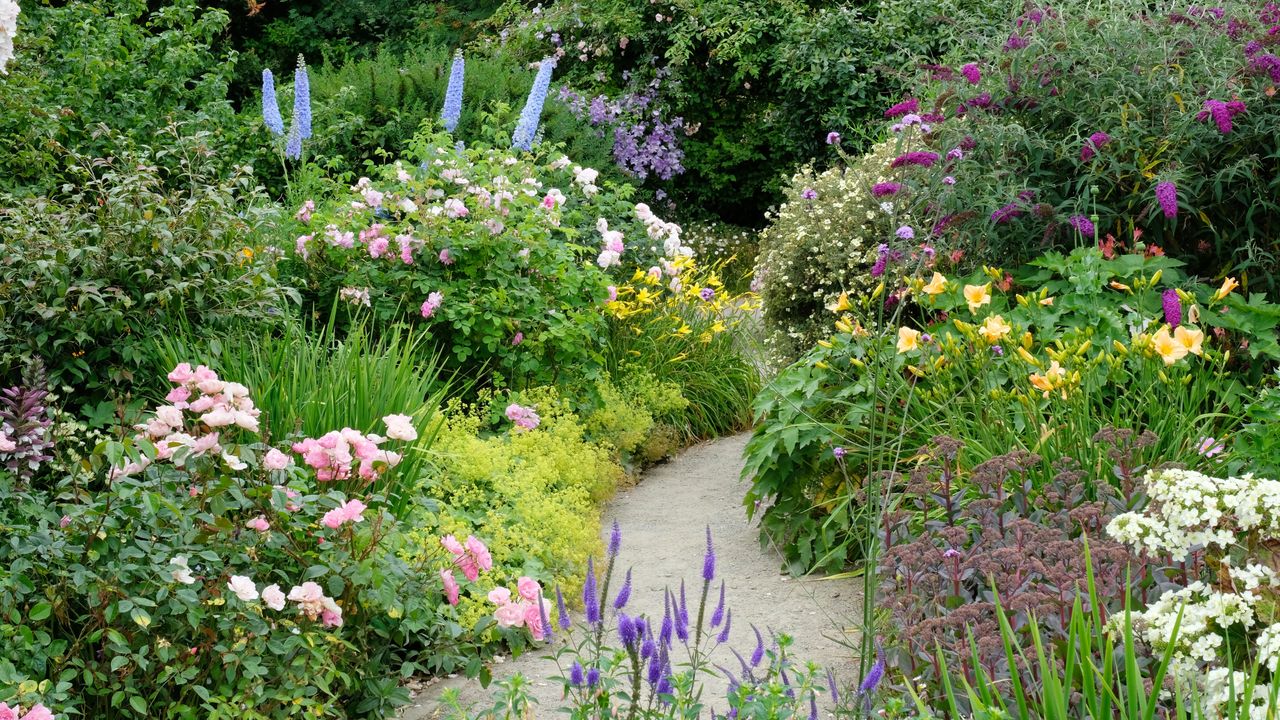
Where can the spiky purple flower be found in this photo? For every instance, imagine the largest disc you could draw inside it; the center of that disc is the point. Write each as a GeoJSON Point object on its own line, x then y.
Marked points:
{"type": "Point", "coordinates": [664, 633]}
{"type": "Point", "coordinates": [682, 616]}
{"type": "Point", "coordinates": [453, 94]}
{"type": "Point", "coordinates": [882, 260]}
{"type": "Point", "coordinates": [615, 540]}
{"type": "Point", "coordinates": [593, 677]}
{"type": "Point", "coordinates": [1172, 307]}
{"type": "Point", "coordinates": [562, 613]}
{"type": "Point", "coordinates": [575, 674]}
{"type": "Point", "coordinates": [813, 706]}
{"type": "Point", "coordinates": [270, 105]}
{"type": "Point", "coordinates": [527, 127]}
{"type": "Point", "coordinates": [971, 73]}
{"type": "Point", "coordinates": [724, 632]}
{"type": "Point", "coordinates": [626, 630]}
{"type": "Point", "coordinates": [624, 594]}
{"type": "Point", "coordinates": [831, 686]}
{"type": "Point", "coordinates": [909, 105]}
{"type": "Point", "coordinates": [709, 560]}
{"type": "Point", "coordinates": [1221, 112]}
{"type": "Point", "coordinates": [758, 654]}
{"type": "Point", "coordinates": [1167, 196]}
{"type": "Point", "coordinates": [717, 615]}
{"type": "Point", "coordinates": [590, 595]}
{"type": "Point", "coordinates": [885, 189]}
{"type": "Point", "coordinates": [1082, 224]}
{"type": "Point", "coordinates": [1006, 213]}
{"type": "Point", "coordinates": [923, 158]}
{"type": "Point", "coordinates": [301, 122]}
{"type": "Point", "coordinates": [548, 633]}
{"type": "Point", "coordinates": [873, 678]}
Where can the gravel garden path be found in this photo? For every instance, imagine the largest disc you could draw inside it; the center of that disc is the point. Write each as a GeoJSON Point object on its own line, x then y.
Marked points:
{"type": "Point", "coordinates": [663, 521]}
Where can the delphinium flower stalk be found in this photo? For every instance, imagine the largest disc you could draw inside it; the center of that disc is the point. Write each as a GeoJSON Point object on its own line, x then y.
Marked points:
{"type": "Point", "coordinates": [270, 105]}
{"type": "Point", "coordinates": [527, 127]}
{"type": "Point", "coordinates": [453, 94]}
{"type": "Point", "coordinates": [302, 99]}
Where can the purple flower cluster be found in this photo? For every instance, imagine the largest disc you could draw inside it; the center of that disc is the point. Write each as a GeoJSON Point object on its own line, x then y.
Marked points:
{"type": "Point", "coordinates": [886, 189]}
{"type": "Point", "coordinates": [1006, 213]}
{"type": "Point", "coordinates": [645, 142]}
{"type": "Point", "coordinates": [1221, 112]}
{"type": "Point", "coordinates": [1083, 225]}
{"type": "Point", "coordinates": [25, 438]}
{"type": "Point", "coordinates": [909, 105]}
{"type": "Point", "coordinates": [1167, 196]}
{"type": "Point", "coordinates": [916, 157]}
{"type": "Point", "coordinates": [971, 73]}
{"type": "Point", "coordinates": [1093, 145]}
{"type": "Point", "coordinates": [1172, 307]}
{"type": "Point", "coordinates": [882, 260]}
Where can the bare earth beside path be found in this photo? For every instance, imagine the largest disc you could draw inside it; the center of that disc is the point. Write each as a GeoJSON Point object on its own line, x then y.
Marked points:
{"type": "Point", "coordinates": [663, 521]}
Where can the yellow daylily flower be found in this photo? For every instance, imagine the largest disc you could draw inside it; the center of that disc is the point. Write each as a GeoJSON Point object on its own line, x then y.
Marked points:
{"type": "Point", "coordinates": [1047, 302]}
{"type": "Point", "coordinates": [908, 339]}
{"type": "Point", "coordinates": [1120, 286]}
{"type": "Point", "coordinates": [1169, 349]}
{"type": "Point", "coordinates": [1052, 378]}
{"type": "Point", "coordinates": [1227, 286]}
{"type": "Point", "coordinates": [842, 304]}
{"type": "Point", "coordinates": [977, 296]}
{"type": "Point", "coordinates": [936, 285]}
{"type": "Point", "coordinates": [1190, 338]}
{"type": "Point", "coordinates": [994, 328]}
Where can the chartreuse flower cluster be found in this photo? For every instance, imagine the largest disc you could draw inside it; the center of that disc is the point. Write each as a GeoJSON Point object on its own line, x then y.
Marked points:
{"type": "Point", "coordinates": [1217, 628]}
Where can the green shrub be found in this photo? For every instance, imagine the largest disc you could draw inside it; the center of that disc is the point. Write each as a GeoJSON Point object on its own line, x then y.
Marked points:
{"type": "Point", "coordinates": [1081, 349]}
{"type": "Point", "coordinates": [88, 282]}
{"type": "Point", "coordinates": [1117, 98]}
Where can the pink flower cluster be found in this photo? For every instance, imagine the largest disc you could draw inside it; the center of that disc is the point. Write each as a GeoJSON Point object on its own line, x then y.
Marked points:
{"type": "Point", "coordinates": [309, 596]}
{"type": "Point", "coordinates": [1221, 112]}
{"type": "Point", "coordinates": [529, 610]}
{"type": "Point", "coordinates": [611, 252]}
{"type": "Point", "coordinates": [351, 511]}
{"type": "Point", "coordinates": [346, 453]}
{"type": "Point", "coordinates": [37, 712]}
{"type": "Point", "coordinates": [431, 304]}
{"type": "Point", "coordinates": [471, 559]}
{"type": "Point", "coordinates": [524, 417]}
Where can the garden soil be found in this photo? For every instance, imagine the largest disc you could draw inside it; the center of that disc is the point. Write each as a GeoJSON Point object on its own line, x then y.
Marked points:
{"type": "Point", "coordinates": [663, 521]}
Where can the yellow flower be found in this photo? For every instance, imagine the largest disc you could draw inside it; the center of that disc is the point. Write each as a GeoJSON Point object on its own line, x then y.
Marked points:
{"type": "Point", "coordinates": [1227, 286]}
{"type": "Point", "coordinates": [842, 304]}
{"type": "Point", "coordinates": [1047, 302]}
{"type": "Point", "coordinates": [994, 328]}
{"type": "Point", "coordinates": [682, 330]}
{"type": "Point", "coordinates": [1051, 378]}
{"type": "Point", "coordinates": [1190, 338]}
{"type": "Point", "coordinates": [908, 339]}
{"type": "Point", "coordinates": [1169, 349]}
{"type": "Point", "coordinates": [1120, 286]}
{"type": "Point", "coordinates": [937, 285]}
{"type": "Point", "coordinates": [977, 296]}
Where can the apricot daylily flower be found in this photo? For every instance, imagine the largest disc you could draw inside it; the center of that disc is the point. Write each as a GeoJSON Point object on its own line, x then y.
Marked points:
{"type": "Point", "coordinates": [1169, 349]}
{"type": "Point", "coordinates": [1190, 338]}
{"type": "Point", "coordinates": [977, 296]}
{"type": "Point", "coordinates": [994, 328]}
{"type": "Point", "coordinates": [908, 339]}
{"type": "Point", "coordinates": [936, 285]}
{"type": "Point", "coordinates": [1228, 285]}
{"type": "Point", "coordinates": [1120, 286]}
{"type": "Point", "coordinates": [1051, 378]}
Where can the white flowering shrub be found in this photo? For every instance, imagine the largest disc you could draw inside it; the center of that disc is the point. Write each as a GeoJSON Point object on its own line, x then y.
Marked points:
{"type": "Point", "coordinates": [821, 242]}
{"type": "Point", "coordinates": [1216, 629]}
{"type": "Point", "coordinates": [8, 28]}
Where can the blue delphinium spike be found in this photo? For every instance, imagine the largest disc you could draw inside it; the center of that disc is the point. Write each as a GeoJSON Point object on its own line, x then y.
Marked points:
{"type": "Point", "coordinates": [709, 560]}
{"type": "Point", "coordinates": [562, 613]}
{"type": "Point", "coordinates": [717, 615]}
{"type": "Point", "coordinates": [301, 122]}
{"type": "Point", "coordinates": [527, 127]}
{"type": "Point", "coordinates": [724, 634]}
{"type": "Point", "coordinates": [453, 94]}
{"type": "Point", "coordinates": [293, 146]}
{"type": "Point", "coordinates": [624, 594]}
{"type": "Point", "coordinates": [270, 105]}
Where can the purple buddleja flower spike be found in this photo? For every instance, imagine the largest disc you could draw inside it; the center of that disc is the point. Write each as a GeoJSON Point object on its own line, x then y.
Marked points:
{"type": "Point", "coordinates": [758, 654]}
{"type": "Point", "coordinates": [971, 73]}
{"type": "Point", "coordinates": [717, 615]}
{"type": "Point", "coordinates": [1092, 145]}
{"type": "Point", "coordinates": [885, 189]}
{"type": "Point", "coordinates": [682, 617]}
{"type": "Point", "coordinates": [590, 596]}
{"type": "Point", "coordinates": [615, 540]}
{"type": "Point", "coordinates": [1172, 306]}
{"type": "Point", "coordinates": [562, 613]}
{"type": "Point", "coordinates": [724, 633]}
{"type": "Point", "coordinates": [624, 594]}
{"type": "Point", "coordinates": [709, 560]}
{"type": "Point", "coordinates": [1167, 196]}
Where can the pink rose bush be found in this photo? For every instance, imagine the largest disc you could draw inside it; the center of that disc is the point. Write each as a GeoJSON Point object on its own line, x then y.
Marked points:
{"type": "Point", "coordinates": [527, 609]}
{"type": "Point", "coordinates": [37, 712]}
{"type": "Point", "coordinates": [525, 418]}
{"type": "Point", "coordinates": [471, 559]}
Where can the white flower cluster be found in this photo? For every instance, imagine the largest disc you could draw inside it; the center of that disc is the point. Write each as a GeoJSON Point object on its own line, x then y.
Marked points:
{"type": "Point", "coordinates": [8, 29]}
{"type": "Point", "coordinates": [1191, 511]}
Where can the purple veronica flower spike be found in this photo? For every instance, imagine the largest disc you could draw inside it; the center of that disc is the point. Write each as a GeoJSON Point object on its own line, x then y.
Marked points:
{"type": "Point", "coordinates": [758, 654]}
{"type": "Point", "coordinates": [562, 614]}
{"type": "Point", "coordinates": [709, 560]}
{"type": "Point", "coordinates": [590, 596]}
{"type": "Point", "coordinates": [615, 540]}
{"type": "Point", "coordinates": [624, 594]}
{"type": "Point", "coordinates": [724, 633]}
{"type": "Point", "coordinates": [717, 615]}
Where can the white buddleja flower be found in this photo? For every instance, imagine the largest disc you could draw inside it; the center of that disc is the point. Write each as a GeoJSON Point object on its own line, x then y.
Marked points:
{"type": "Point", "coordinates": [8, 29]}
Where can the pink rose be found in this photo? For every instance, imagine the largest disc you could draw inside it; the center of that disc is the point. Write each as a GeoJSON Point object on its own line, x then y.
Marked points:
{"type": "Point", "coordinates": [8, 713]}
{"type": "Point", "coordinates": [353, 510]}
{"type": "Point", "coordinates": [451, 544]}
{"type": "Point", "coordinates": [180, 374]}
{"type": "Point", "coordinates": [276, 460]}
{"type": "Point", "coordinates": [529, 588]}
{"type": "Point", "coordinates": [509, 615]}
{"type": "Point", "coordinates": [467, 566]}
{"type": "Point", "coordinates": [334, 519]}
{"type": "Point", "coordinates": [450, 585]}
{"type": "Point", "coordinates": [259, 523]}
{"type": "Point", "coordinates": [273, 597]}
{"type": "Point", "coordinates": [533, 619]}
{"type": "Point", "coordinates": [480, 553]}
{"type": "Point", "coordinates": [39, 712]}
{"type": "Point", "coordinates": [500, 596]}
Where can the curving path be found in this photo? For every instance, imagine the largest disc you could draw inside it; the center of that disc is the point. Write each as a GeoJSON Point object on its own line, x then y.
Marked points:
{"type": "Point", "coordinates": [663, 521]}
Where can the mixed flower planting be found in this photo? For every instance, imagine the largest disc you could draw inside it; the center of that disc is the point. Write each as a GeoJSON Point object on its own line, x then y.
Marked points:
{"type": "Point", "coordinates": [295, 409]}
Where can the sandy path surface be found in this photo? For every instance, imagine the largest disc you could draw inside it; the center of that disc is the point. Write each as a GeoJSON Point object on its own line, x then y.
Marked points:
{"type": "Point", "coordinates": [664, 520]}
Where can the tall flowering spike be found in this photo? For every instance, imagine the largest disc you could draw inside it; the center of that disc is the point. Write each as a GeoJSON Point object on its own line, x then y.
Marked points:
{"type": "Point", "coordinates": [758, 654]}
{"type": "Point", "coordinates": [615, 540]}
{"type": "Point", "coordinates": [1167, 196]}
{"type": "Point", "coordinates": [590, 596]}
{"type": "Point", "coordinates": [562, 613]}
{"type": "Point", "coordinates": [664, 633]}
{"type": "Point", "coordinates": [301, 123]}
{"type": "Point", "coordinates": [624, 594]}
{"type": "Point", "coordinates": [717, 615]}
{"type": "Point", "coordinates": [576, 678]}
{"type": "Point", "coordinates": [813, 706]}
{"type": "Point", "coordinates": [293, 146]}
{"type": "Point", "coordinates": [682, 616]}
{"type": "Point", "coordinates": [1172, 307]}
{"type": "Point", "coordinates": [724, 633]}
{"type": "Point", "coordinates": [831, 685]}
{"type": "Point", "coordinates": [453, 95]}
{"type": "Point", "coordinates": [527, 127]}
{"type": "Point", "coordinates": [709, 560]}
{"type": "Point", "coordinates": [270, 105]}
{"type": "Point", "coordinates": [548, 633]}
{"type": "Point", "coordinates": [655, 670]}
{"type": "Point", "coordinates": [873, 678]}
{"type": "Point", "coordinates": [626, 630]}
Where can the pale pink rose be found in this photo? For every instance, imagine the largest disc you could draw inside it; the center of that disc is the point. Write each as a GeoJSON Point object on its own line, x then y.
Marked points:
{"type": "Point", "coordinates": [481, 553]}
{"type": "Point", "coordinates": [178, 396]}
{"type": "Point", "coordinates": [450, 585]}
{"type": "Point", "coordinates": [276, 460]}
{"type": "Point", "coordinates": [243, 587]}
{"type": "Point", "coordinates": [304, 212]}
{"type": "Point", "coordinates": [533, 619]}
{"type": "Point", "coordinates": [529, 588]}
{"type": "Point", "coordinates": [353, 510]}
{"type": "Point", "coordinates": [219, 417]}
{"type": "Point", "coordinates": [206, 443]}
{"type": "Point", "coordinates": [451, 544]}
{"type": "Point", "coordinates": [180, 374]}
{"type": "Point", "coordinates": [509, 615]}
{"type": "Point", "coordinates": [259, 523]}
{"type": "Point", "coordinates": [169, 415]}
{"type": "Point", "coordinates": [334, 519]}
{"type": "Point", "coordinates": [446, 258]}
{"type": "Point", "coordinates": [467, 566]}
{"type": "Point", "coordinates": [39, 712]}
{"type": "Point", "coordinates": [613, 293]}
{"type": "Point", "coordinates": [8, 713]}
{"type": "Point", "coordinates": [273, 597]}
{"type": "Point", "coordinates": [202, 404]}
{"type": "Point", "coordinates": [331, 616]}
{"type": "Point", "coordinates": [499, 596]}
{"type": "Point", "coordinates": [400, 427]}
{"type": "Point", "coordinates": [306, 592]}
{"type": "Point", "coordinates": [65, 521]}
